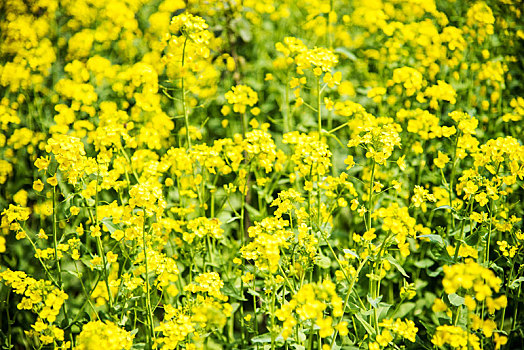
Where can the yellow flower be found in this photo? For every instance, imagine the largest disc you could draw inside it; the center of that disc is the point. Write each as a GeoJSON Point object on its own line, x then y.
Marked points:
{"type": "Point", "coordinates": [441, 160]}
{"type": "Point", "coordinates": [103, 335]}
{"type": "Point", "coordinates": [342, 328]}
{"type": "Point", "coordinates": [499, 340]}
{"type": "Point", "coordinates": [75, 255]}
{"type": "Point", "coordinates": [42, 163]}
{"type": "Point", "coordinates": [41, 234]}
{"type": "Point", "coordinates": [111, 257]}
{"type": "Point", "coordinates": [332, 80]}
{"type": "Point", "coordinates": [38, 185]}
{"type": "Point", "coordinates": [95, 231]}
{"type": "Point", "coordinates": [470, 188]}
{"type": "Point", "coordinates": [369, 235]}
{"type": "Point", "coordinates": [241, 96]}
{"type": "Point", "coordinates": [52, 181]}
{"type": "Point", "coordinates": [74, 210]}
{"type": "Point", "coordinates": [325, 327]}
{"type": "Point", "coordinates": [401, 163]}
{"type": "Point", "coordinates": [385, 338]}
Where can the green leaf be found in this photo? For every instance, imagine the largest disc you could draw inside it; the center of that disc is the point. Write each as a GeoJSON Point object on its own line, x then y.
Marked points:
{"type": "Point", "coordinates": [324, 262]}
{"type": "Point", "coordinates": [108, 222]}
{"type": "Point", "coordinates": [473, 239]}
{"type": "Point", "coordinates": [253, 292]}
{"type": "Point", "coordinates": [433, 238]}
{"type": "Point", "coordinates": [436, 272]}
{"type": "Point", "coordinates": [233, 293]}
{"type": "Point", "coordinates": [73, 273]}
{"type": "Point", "coordinates": [253, 212]}
{"type": "Point", "coordinates": [403, 310]}
{"type": "Point", "coordinates": [374, 302]}
{"type": "Point", "coordinates": [365, 324]}
{"type": "Point", "coordinates": [263, 338]}
{"type": "Point", "coordinates": [444, 207]}
{"type": "Point", "coordinates": [516, 283]}
{"type": "Point", "coordinates": [350, 252]}
{"type": "Point", "coordinates": [497, 268]}
{"type": "Point", "coordinates": [232, 219]}
{"type": "Point", "coordinates": [343, 51]}
{"type": "Point", "coordinates": [425, 263]}
{"type": "Point", "coordinates": [395, 263]}
{"type": "Point", "coordinates": [456, 299]}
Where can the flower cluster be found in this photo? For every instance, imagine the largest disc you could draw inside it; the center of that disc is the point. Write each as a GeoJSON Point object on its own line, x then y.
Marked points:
{"type": "Point", "coordinates": [241, 96]}
{"type": "Point", "coordinates": [310, 303]}
{"type": "Point", "coordinates": [105, 334]}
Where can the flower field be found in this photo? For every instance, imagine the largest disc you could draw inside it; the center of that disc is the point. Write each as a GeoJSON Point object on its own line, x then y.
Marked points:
{"type": "Point", "coordinates": [258, 174]}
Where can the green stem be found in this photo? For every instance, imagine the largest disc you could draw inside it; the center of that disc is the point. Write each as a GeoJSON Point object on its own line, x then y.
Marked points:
{"type": "Point", "coordinates": [273, 326]}
{"type": "Point", "coordinates": [346, 299]}
{"type": "Point", "coordinates": [338, 128]}
{"type": "Point", "coordinates": [310, 339]}
{"type": "Point", "coordinates": [490, 229]}
{"type": "Point", "coordinates": [255, 325]}
{"type": "Point", "coordinates": [515, 313]}
{"type": "Point", "coordinates": [55, 241]}
{"type": "Point", "coordinates": [57, 260]}
{"type": "Point", "coordinates": [48, 273]}
{"type": "Point", "coordinates": [370, 199]}
{"type": "Point", "coordinates": [87, 295]}
{"type": "Point", "coordinates": [319, 109]}
{"type": "Point", "coordinates": [286, 108]}
{"type": "Point", "coordinates": [506, 293]}
{"type": "Point", "coordinates": [184, 107]}
{"type": "Point", "coordinates": [100, 248]}
{"type": "Point", "coordinates": [148, 296]}
{"type": "Point", "coordinates": [459, 243]}
{"type": "Point", "coordinates": [9, 332]}
{"type": "Point", "coordinates": [335, 256]}
{"type": "Point", "coordinates": [450, 188]}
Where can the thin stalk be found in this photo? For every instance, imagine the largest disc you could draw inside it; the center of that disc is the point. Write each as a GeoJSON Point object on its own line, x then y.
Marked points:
{"type": "Point", "coordinates": [319, 109]}
{"type": "Point", "coordinates": [55, 241]}
{"type": "Point", "coordinates": [184, 107]}
{"type": "Point", "coordinates": [88, 295]}
{"type": "Point", "coordinates": [57, 260]}
{"type": "Point", "coordinates": [80, 312]}
{"type": "Point", "coordinates": [291, 288]}
{"type": "Point", "coordinates": [255, 325]}
{"type": "Point", "coordinates": [310, 339]}
{"type": "Point", "coordinates": [450, 188]}
{"type": "Point", "coordinates": [101, 250]}
{"type": "Point", "coordinates": [515, 311]}
{"type": "Point", "coordinates": [490, 229]}
{"type": "Point", "coordinates": [346, 299]}
{"type": "Point", "coordinates": [9, 332]}
{"type": "Point", "coordinates": [243, 238]}
{"type": "Point", "coordinates": [335, 255]}
{"type": "Point", "coordinates": [148, 296]}
{"type": "Point", "coordinates": [286, 108]}
{"type": "Point", "coordinates": [48, 273]}
{"type": "Point", "coordinates": [506, 293]}
{"type": "Point", "coordinates": [370, 199]}
{"type": "Point", "coordinates": [455, 256]}
{"type": "Point", "coordinates": [319, 116]}
{"type": "Point", "coordinates": [272, 332]}
{"type": "Point", "coordinates": [338, 128]}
